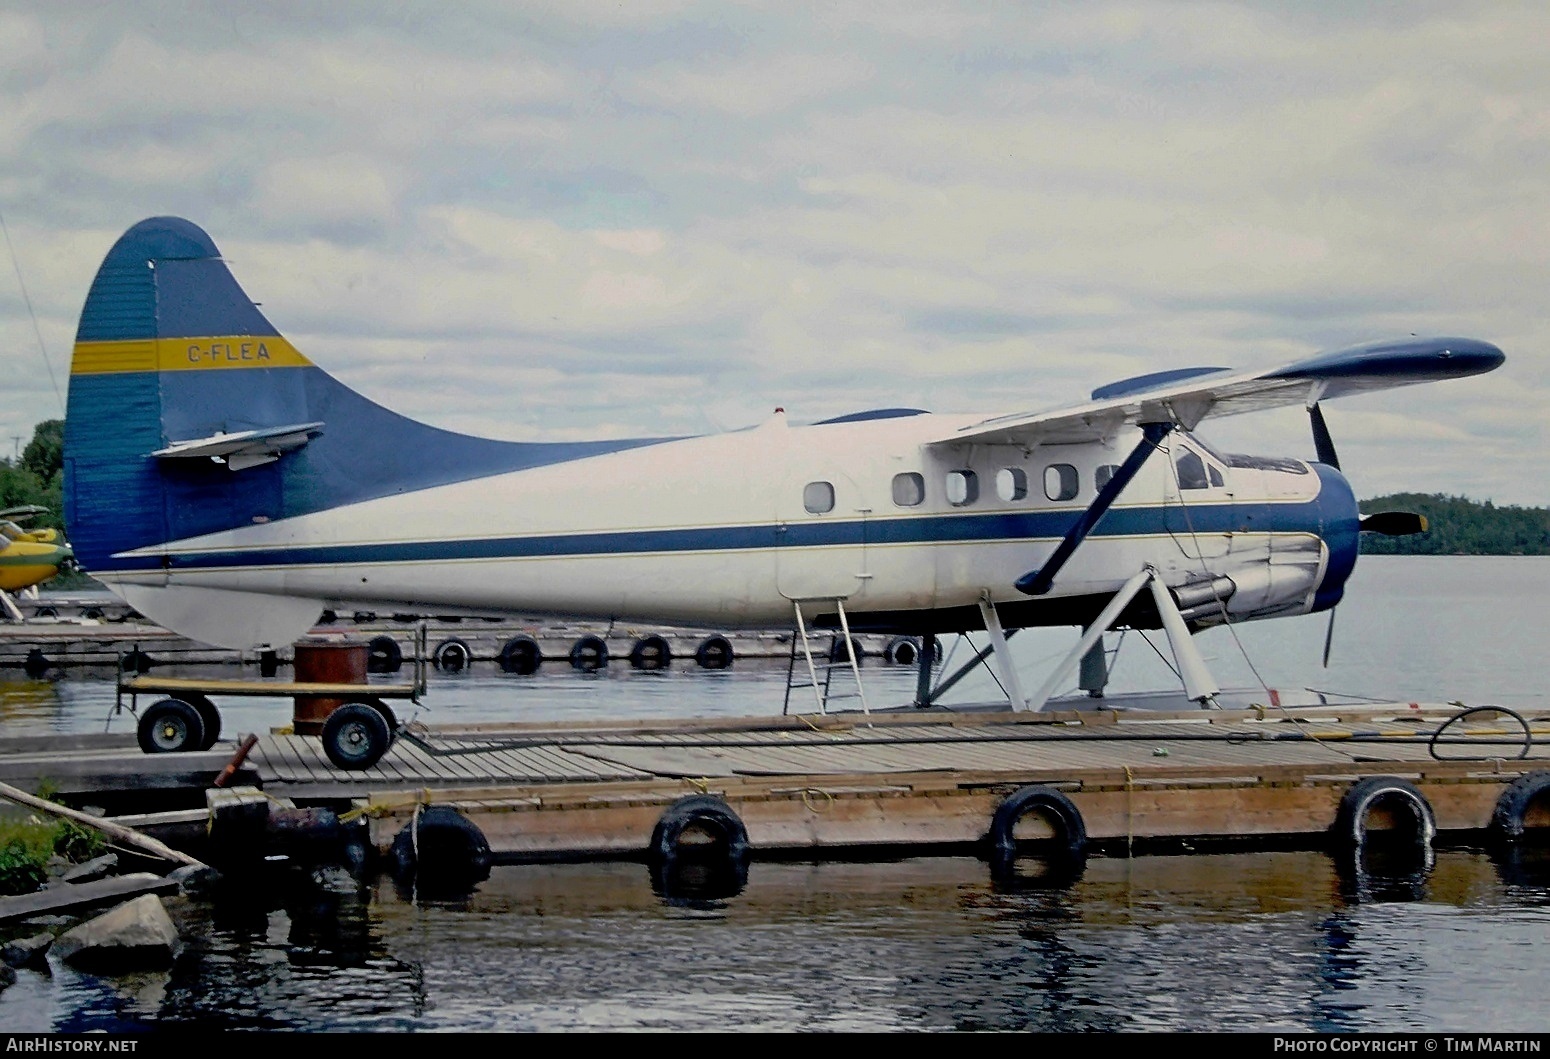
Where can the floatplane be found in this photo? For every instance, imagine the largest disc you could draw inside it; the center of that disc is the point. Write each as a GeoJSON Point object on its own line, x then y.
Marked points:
{"type": "Point", "coordinates": [231, 490]}
{"type": "Point", "coordinates": [28, 557]}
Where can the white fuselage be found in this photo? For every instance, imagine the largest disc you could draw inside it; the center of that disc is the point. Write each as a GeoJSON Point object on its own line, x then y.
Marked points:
{"type": "Point", "coordinates": [717, 531]}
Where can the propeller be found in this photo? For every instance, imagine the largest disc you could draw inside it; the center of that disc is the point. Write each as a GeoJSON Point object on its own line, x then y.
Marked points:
{"type": "Point", "coordinates": [1388, 523]}
{"type": "Point", "coordinates": [1323, 444]}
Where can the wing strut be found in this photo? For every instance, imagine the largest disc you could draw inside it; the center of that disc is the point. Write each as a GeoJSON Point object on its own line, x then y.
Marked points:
{"type": "Point", "coordinates": [1037, 582]}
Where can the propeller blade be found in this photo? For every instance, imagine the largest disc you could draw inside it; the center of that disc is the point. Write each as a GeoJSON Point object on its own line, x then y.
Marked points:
{"type": "Point", "coordinates": [1323, 444]}
{"type": "Point", "coordinates": [1393, 523]}
{"type": "Point", "coordinates": [1329, 636]}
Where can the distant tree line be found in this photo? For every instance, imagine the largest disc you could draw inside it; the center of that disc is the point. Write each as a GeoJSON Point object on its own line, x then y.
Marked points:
{"type": "Point", "coordinates": [1457, 525]}
{"type": "Point", "coordinates": [37, 475]}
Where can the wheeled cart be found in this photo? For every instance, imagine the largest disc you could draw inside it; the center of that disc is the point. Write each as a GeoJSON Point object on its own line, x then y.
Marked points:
{"type": "Point", "coordinates": [352, 717]}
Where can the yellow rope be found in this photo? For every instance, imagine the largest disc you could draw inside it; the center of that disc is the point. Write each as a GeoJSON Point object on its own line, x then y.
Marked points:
{"type": "Point", "coordinates": [808, 801]}
{"type": "Point", "coordinates": [1130, 810]}
{"type": "Point", "coordinates": [422, 799]}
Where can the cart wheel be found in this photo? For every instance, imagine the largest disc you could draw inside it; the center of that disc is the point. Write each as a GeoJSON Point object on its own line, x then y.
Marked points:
{"type": "Point", "coordinates": [169, 726]}
{"type": "Point", "coordinates": [355, 736]}
{"type": "Point", "coordinates": [210, 716]}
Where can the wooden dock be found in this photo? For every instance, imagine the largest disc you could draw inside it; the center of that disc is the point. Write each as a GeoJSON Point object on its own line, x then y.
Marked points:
{"type": "Point", "coordinates": [853, 784]}
{"type": "Point", "coordinates": [43, 645]}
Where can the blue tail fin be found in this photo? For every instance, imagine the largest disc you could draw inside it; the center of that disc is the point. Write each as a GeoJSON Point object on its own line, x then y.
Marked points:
{"type": "Point", "coordinates": [190, 414]}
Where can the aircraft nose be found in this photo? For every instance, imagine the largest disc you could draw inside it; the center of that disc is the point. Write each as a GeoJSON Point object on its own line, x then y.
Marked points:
{"type": "Point", "coordinates": [1340, 527]}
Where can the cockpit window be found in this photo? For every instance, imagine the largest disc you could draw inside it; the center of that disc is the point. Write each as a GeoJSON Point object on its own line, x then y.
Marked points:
{"type": "Point", "coordinates": [1266, 463]}
{"type": "Point", "coordinates": [1191, 469]}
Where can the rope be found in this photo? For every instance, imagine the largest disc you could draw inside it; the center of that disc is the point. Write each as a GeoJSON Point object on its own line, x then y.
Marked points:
{"type": "Point", "coordinates": [1130, 812]}
{"type": "Point", "coordinates": [808, 802]}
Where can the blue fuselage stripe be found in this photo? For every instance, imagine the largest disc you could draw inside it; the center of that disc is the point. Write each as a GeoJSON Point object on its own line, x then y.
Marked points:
{"type": "Point", "coordinates": [1301, 517]}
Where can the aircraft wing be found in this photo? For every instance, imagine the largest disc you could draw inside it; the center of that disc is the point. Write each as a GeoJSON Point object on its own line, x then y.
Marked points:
{"type": "Point", "coordinates": [1190, 395]}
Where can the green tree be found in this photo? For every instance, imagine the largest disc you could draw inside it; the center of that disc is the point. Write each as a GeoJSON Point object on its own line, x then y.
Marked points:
{"type": "Point", "coordinates": [44, 455]}
{"type": "Point", "coordinates": [37, 477]}
{"type": "Point", "coordinates": [1457, 525]}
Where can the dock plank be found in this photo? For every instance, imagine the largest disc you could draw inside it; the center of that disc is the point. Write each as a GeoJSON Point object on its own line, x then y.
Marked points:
{"type": "Point", "coordinates": [78, 897]}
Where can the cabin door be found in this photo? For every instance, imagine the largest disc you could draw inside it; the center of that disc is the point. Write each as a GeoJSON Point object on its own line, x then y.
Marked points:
{"type": "Point", "coordinates": [1199, 506]}
{"type": "Point", "coordinates": [821, 537]}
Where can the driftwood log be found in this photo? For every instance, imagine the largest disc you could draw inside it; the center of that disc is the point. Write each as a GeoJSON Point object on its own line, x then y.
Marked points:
{"type": "Point", "coordinates": [128, 836]}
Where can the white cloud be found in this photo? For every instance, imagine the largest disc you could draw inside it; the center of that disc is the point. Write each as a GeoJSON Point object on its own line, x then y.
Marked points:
{"type": "Point", "coordinates": [339, 192]}
{"type": "Point", "coordinates": [641, 218]}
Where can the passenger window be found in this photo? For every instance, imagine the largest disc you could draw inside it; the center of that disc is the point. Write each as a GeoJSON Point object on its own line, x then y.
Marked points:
{"type": "Point", "coordinates": [818, 497]}
{"type": "Point", "coordinates": [1102, 475]}
{"type": "Point", "coordinates": [1012, 484]}
{"type": "Point", "coordinates": [1060, 481]}
{"type": "Point", "coordinates": [963, 488]}
{"type": "Point", "coordinates": [909, 489]}
{"type": "Point", "coordinates": [1192, 471]}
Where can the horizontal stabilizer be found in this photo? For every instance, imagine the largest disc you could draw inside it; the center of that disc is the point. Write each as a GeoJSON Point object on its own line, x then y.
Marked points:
{"type": "Point", "coordinates": [245, 448]}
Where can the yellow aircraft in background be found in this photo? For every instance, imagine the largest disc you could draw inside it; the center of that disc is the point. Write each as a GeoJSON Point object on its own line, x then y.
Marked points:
{"type": "Point", "coordinates": [27, 557]}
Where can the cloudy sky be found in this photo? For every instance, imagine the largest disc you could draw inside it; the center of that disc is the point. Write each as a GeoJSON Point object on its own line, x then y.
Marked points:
{"type": "Point", "coordinates": [569, 218]}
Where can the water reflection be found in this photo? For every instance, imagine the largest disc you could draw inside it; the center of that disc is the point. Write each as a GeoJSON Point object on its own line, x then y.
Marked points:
{"type": "Point", "coordinates": [1252, 941]}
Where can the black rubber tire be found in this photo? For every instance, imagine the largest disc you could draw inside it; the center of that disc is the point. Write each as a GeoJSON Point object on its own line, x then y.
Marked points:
{"type": "Point", "coordinates": [521, 655]}
{"type": "Point", "coordinates": [210, 716]}
{"type": "Point", "coordinates": [1514, 804]}
{"type": "Point", "coordinates": [170, 726]}
{"type": "Point", "coordinates": [45, 612]}
{"type": "Point", "coordinates": [902, 651]}
{"type": "Point", "coordinates": [1070, 840]}
{"type": "Point", "coordinates": [651, 652]}
{"type": "Point", "coordinates": [714, 652]}
{"type": "Point", "coordinates": [589, 654]}
{"type": "Point", "coordinates": [706, 813]}
{"type": "Point", "coordinates": [441, 850]}
{"type": "Point", "coordinates": [355, 736]}
{"type": "Point", "coordinates": [452, 655]}
{"type": "Point", "coordinates": [37, 663]}
{"type": "Point", "coordinates": [383, 655]}
{"type": "Point", "coordinates": [1350, 826]}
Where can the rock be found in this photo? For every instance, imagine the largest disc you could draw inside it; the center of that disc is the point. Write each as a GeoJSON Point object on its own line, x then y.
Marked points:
{"type": "Point", "coordinates": [96, 868]}
{"type": "Point", "coordinates": [195, 880]}
{"type": "Point", "coordinates": [331, 878]}
{"type": "Point", "coordinates": [137, 935]}
{"type": "Point", "coordinates": [26, 952]}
